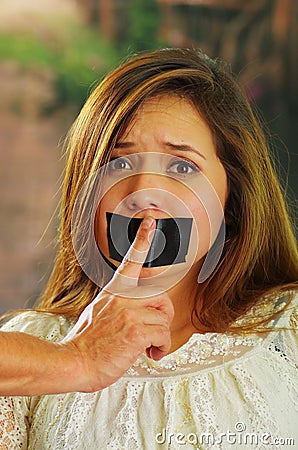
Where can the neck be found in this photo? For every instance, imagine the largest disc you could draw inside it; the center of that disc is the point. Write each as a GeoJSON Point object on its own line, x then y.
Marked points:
{"type": "Point", "coordinates": [183, 297]}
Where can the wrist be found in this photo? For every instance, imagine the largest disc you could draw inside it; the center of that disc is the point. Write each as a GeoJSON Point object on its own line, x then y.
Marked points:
{"type": "Point", "coordinates": [77, 376]}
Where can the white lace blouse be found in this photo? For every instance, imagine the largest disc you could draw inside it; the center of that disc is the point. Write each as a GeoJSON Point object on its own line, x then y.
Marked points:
{"type": "Point", "coordinates": [218, 391]}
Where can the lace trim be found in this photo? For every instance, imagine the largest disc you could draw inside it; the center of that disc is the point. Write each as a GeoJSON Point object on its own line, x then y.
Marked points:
{"type": "Point", "coordinates": [201, 350]}
{"type": "Point", "coordinates": [211, 349]}
{"type": "Point", "coordinates": [265, 308]}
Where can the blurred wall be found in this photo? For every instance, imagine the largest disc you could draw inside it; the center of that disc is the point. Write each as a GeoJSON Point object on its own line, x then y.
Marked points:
{"type": "Point", "coordinates": [259, 38]}
{"type": "Point", "coordinates": [31, 161]}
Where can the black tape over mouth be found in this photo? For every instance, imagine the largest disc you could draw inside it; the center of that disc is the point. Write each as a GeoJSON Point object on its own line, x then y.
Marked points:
{"type": "Point", "coordinates": [169, 245]}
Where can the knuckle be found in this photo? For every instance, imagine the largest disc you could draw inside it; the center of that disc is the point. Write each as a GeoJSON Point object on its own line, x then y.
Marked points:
{"type": "Point", "coordinates": [125, 262]}
{"type": "Point", "coordinates": [136, 334]}
{"type": "Point", "coordinates": [166, 320]}
{"type": "Point", "coordinates": [136, 255]}
{"type": "Point", "coordinates": [127, 315]}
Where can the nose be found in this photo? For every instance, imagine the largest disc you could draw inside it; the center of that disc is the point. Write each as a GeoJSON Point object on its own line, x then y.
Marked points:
{"type": "Point", "coordinates": [145, 193]}
{"type": "Point", "coordinates": [144, 198]}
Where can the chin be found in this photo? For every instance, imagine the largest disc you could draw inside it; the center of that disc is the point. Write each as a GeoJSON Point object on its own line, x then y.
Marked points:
{"type": "Point", "coordinates": [166, 276]}
{"type": "Point", "coordinates": [148, 272]}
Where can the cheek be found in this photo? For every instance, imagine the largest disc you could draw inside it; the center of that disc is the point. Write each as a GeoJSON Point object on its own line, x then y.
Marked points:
{"type": "Point", "coordinates": [207, 222]}
{"type": "Point", "coordinates": [108, 203]}
{"type": "Point", "coordinates": [100, 223]}
{"type": "Point", "coordinates": [201, 230]}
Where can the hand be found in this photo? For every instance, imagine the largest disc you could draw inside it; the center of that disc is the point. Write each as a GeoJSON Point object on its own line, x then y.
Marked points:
{"type": "Point", "coordinates": [123, 321]}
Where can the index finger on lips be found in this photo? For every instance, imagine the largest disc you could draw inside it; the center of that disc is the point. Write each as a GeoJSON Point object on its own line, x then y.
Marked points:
{"type": "Point", "coordinates": [129, 270]}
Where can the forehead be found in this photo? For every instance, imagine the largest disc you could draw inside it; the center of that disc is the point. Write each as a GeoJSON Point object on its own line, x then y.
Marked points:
{"type": "Point", "coordinates": [167, 113]}
{"type": "Point", "coordinates": [161, 103]}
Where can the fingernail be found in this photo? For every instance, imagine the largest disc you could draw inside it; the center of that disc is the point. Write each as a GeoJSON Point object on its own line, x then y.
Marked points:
{"type": "Point", "coordinates": [147, 222]}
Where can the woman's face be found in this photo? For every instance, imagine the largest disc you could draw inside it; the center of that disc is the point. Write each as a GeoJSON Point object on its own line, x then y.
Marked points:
{"type": "Point", "coordinates": [165, 165]}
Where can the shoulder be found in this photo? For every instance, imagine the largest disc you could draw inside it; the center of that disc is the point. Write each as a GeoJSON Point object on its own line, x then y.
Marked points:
{"type": "Point", "coordinates": [283, 340]}
{"type": "Point", "coordinates": [273, 311]}
{"type": "Point", "coordinates": [287, 304]}
{"type": "Point", "coordinates": [47, 326]}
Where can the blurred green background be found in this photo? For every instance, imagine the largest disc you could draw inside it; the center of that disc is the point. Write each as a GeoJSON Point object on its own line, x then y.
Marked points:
{"type": "Point", "coordinates": [52, 54]}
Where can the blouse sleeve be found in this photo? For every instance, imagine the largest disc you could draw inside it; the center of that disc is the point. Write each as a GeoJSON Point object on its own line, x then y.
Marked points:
{"type": "Point", "coordinates": [16, 412]}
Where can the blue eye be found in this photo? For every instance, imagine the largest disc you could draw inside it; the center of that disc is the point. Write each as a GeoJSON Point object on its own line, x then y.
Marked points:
{"type": "Point", "coordinates": [183, 167]}
{"type": "Point", "coordinates": [119, 164]}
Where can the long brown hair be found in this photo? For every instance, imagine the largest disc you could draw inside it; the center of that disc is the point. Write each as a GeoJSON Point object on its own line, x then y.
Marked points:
{"type": "Point", "coordinates": [259, 256]}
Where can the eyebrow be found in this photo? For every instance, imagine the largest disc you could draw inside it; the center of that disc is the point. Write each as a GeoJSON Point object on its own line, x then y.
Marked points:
{"type": "Point", "coordinates": [124, 145]}
{"type": "Point", "coordinates": [184, 148]}
{"type": "Point", "coordinates": [170, 145]}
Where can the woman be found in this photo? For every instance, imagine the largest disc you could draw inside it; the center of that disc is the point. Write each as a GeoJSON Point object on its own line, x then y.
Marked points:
{"type": "Point", "coordinates": [169, 138]}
